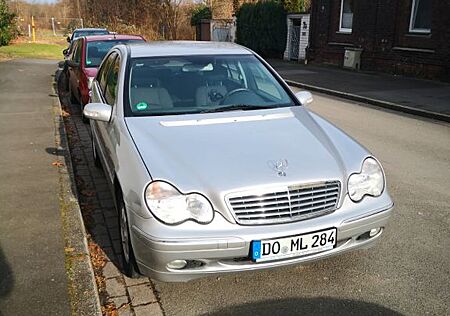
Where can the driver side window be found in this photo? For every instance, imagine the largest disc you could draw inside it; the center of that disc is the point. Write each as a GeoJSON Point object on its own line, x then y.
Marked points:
{"type": "Point", "coordinates": [112, 78]}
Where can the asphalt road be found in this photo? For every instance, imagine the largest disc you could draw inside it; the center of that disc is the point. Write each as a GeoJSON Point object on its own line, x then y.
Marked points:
{"type": "Point", "coordinates": [32, 272]}
{"type": "Point", "coordinates": [407, 273]}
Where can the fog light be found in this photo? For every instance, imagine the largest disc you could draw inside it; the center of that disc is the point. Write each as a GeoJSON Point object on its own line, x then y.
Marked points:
{"type": "Point", "coordinates": [374, 231]}
{"type": "Point", "coordinates": [177, 264]}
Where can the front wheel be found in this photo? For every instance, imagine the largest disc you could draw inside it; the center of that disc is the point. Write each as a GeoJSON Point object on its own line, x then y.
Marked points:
{"type": "Point", "coordinates": [129, 264]}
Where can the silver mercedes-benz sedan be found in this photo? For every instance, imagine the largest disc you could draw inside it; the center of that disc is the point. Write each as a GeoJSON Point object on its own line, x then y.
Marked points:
{"type": "Point", "coordinates": [217, 166]}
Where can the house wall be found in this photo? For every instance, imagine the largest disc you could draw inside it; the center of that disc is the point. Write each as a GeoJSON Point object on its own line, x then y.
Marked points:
{"type": "Point", "coordinates": [381, 29]}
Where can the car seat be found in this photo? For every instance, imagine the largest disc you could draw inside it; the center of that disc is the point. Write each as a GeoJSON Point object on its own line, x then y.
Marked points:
{"type": "Point", "coordinates": [213, 91]}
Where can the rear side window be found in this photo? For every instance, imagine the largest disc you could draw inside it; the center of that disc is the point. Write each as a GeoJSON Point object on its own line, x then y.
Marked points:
{"type": "Point", "coordinates": [97, 50]}
{"type": "Point", "coordinates": [77, 52]}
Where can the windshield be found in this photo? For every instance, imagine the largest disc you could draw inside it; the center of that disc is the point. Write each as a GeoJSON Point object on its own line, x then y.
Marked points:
{"type": "Point", "coordinates": [78, 34]}
{"type": "Point", "coordinates": [95, 51]}
{"type": "Point", "coordinates": [198, 84]}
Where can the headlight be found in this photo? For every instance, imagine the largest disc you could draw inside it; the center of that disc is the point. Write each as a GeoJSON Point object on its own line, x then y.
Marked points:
{"type": "Point", "coordinates": [370, 181]}
{"type": "Point", "coordinates": [172, 207]}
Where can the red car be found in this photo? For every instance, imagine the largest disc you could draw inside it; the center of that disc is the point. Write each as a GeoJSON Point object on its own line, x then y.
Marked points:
{"type": "Point", "coordinates": [86, 56]}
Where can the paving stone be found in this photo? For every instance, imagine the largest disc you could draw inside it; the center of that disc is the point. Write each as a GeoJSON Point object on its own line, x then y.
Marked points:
{"type": "Point", "coordinates": [99, 230]}
{"type": "Point", "coordinates": [120, 301]}
{"type": "Point", "coordinates": [110, 271]}
{"type": "Point", "coordinates": [104, 195]}
{"type": "Point", "coordinates": [110, 212]}
{"type": "Point", "coordinates": [136, 281]}
{"type": "Point", "coordinates": [141, 294]}
{"type": "Point", "coordinates": [114, 287]}
{"type": "Point", "coordinates": [114, 233]}
{"type": "Point", "coordinates": [111, 223]}
{"type": "Point", "coordinates": [98, 218]}
{"type": "Point", "coordinates": [125, 311]}
{"type": "Point", "coordinates": [148, 310]}
{"type": "Point", "coordinates": [107, 203]}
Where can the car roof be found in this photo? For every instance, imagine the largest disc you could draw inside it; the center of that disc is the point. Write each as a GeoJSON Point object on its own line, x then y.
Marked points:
{"type": "Point", "coordinates": [110, 37]}
{"type": "Point", "coordinates": [90, 29]}
{"type": "Point", "coordinates": [180, 48]}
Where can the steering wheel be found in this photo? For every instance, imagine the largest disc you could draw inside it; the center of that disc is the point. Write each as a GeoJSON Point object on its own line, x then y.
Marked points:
{"type": "Point", "coordinates": [233, 92]}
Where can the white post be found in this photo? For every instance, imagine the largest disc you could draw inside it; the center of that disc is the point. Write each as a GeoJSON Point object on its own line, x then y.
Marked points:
{"type": "Point", "coordinates": [29, 30]}
{"type": "Point", "coordinates": [53, 26]}
{"type": "Point", "coordinates": [81, 20]}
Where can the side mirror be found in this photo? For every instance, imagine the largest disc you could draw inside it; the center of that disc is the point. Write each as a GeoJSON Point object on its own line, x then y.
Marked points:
{"type": "Point", "coordinates": [98, 112]}
{"type": "Point", "coordinates": [68, 39]}
{"type": "Point", "coordinates": [65, 51]}
{"type": "Point", "coordinates": [305, 97]}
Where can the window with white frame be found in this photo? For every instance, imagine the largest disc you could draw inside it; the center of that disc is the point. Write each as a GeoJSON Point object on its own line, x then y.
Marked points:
{"type": "Point", "coordinates": [420, 21]}
{"type": "Point", "coordinates": [346, 20]}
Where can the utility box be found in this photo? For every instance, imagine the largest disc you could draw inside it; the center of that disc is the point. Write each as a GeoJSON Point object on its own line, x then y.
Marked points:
{"type": "Point", "coordinates": [352, 58]}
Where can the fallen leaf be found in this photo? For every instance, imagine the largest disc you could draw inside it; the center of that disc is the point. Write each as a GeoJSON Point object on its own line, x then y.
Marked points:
{"type": "Point", "coordinates": [57, 164]}
{"type": "Point", "coordinates": [69, 249]}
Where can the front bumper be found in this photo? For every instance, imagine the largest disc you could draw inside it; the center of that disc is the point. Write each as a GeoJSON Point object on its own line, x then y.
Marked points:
{"type": "Point", "coordinates": [207, 255]}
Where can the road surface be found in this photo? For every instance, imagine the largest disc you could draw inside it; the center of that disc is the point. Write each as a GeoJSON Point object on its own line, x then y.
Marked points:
{"type": "Point", "coordinates": [408, 272]}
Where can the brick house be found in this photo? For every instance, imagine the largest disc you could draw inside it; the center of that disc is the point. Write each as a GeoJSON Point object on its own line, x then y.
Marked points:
{"type": "Point", "coordinates": [409, 37]}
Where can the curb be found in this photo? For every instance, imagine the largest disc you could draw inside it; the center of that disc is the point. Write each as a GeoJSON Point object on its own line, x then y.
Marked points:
{"type": "Point", "coordinates": [83, 291]}
{"type": "Point", "coordinates": [375, 102]}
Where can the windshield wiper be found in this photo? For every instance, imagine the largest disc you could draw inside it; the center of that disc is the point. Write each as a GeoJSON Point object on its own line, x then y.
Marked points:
{"type": "Point", "coordinates": [244, 107]}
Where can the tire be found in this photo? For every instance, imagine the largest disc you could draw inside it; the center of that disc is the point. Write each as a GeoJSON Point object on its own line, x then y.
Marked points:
{"type": "Point", "coordinates": [129, 264]}
{"type": "Point", "coordinates": [97, 161]}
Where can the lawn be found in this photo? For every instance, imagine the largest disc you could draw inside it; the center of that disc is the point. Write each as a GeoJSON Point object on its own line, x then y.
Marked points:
{"type": "Point", "coordinates": [32, 50]}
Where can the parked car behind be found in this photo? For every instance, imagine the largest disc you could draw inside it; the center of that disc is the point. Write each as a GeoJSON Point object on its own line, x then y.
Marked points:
{"type": "Point", "coordinates": [86, 32]}
{"type": "Point", "coordinates": [82, 64]}
{"type": "Point", "coordinates": [80, 33]}
{"type": "Point", "coordinates": [217, 167]}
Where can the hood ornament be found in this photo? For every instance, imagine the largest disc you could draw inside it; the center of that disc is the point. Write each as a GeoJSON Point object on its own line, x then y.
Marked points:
{"type": "Point", "coordinates": [279, 166]}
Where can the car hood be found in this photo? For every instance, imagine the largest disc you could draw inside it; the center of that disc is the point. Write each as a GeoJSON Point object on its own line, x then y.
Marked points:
{"type": "Point", "coordinates": [219, 153]}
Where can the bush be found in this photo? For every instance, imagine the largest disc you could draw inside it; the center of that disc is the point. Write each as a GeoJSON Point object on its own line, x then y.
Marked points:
{"type": "Point", "coordinates": [202, 12]}
{"type": "Point", "coordinates": [262, 27]}
{"type": "Point", "coordinates": [8, 29]}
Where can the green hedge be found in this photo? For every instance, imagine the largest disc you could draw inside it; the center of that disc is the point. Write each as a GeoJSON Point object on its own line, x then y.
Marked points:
{"type": "Point", "coordinates": [8, 29]}
{"type": "Point", "coordinates": [201, 12]}
{"type": "Point", "coordinates": [262, 27]}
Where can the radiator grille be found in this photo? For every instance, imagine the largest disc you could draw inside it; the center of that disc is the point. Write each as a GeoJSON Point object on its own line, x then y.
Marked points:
{"type": "Point", "coordinates": [285, 204]}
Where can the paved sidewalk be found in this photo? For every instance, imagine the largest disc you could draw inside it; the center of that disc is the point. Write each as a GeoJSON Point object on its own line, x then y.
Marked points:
{"type": "Point", "coordinates": [117, 292]}
{"type": "Point", "coordinates": [33, 277]}
{"type": "Point", "coordinates": [421, 97]}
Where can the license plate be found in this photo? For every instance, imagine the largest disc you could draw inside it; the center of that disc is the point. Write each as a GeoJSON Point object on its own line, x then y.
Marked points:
{"type": "Point", "coordinates": [293, 246]}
